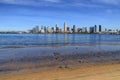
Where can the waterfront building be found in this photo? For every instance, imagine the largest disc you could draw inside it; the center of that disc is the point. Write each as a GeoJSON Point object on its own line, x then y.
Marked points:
{"type": "Point", "coordinates": [52, 29]}
{"type": "Point", "coordinates": [68, 30]}
{"type": "Point", "coordinates": [84, 30]}
{"type": "Point", "coordinates": [95, 29]}
{"type": "Point", "coordinates": [119, 32]}
{"type": "Point", "coordinates": [88, 30]}
{"type": "Point", "coordinates": [49, 30]}
{"type": "Point", "coordinates": [91, 30]}
{"type": "Point", "coordinates": [105, 30]}
{"type": "Point", "coordinates": [100, 28]}
{"type": "Point", "coordinates": [42, 29]}
{"type": "Point", "coordinates": [65, 27]}
{"type": "Point", "coordinates": [71, 31]}
{"type": "Point", "coordinates": [60, 31]}
{"type": "Point", "coordinates": [56, 28]}
{"type": "Point", "coordinates": [35, 29]}
{"type": "Point", "coordinates": [74, 29]}
{"type": "Point", "coordinates": [79, 30]}
{"type": "Point", "coordinates": [45, 29]}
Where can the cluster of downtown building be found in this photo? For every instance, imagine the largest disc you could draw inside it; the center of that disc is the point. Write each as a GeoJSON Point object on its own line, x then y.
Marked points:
{"type": "Point", "coordinates": [56, 29]}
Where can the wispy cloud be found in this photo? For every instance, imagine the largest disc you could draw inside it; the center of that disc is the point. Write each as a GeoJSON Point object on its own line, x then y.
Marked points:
{"type": "Point", "coordinates": [88, 5]}
{"type": "Point", "coordinates": [109, 11]}
{"type": "Point", "coordinates": [78, 3]}
{"type": "Point", "coordinates": [16, 1]}
{"type": "Point", "coordinates": [113, 2]}
{"type": "Point", "coordinates": [54, 1]}
{"type": "Point", "coordinates": [29, 2]}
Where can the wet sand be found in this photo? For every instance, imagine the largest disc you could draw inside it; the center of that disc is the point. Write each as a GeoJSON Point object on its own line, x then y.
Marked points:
{"type": "Point", "coordinates": [104, 71]}
{"type": "Point", "coordinates": [25, 59]}
{"type": "Point", "coordinates": [71, 63]}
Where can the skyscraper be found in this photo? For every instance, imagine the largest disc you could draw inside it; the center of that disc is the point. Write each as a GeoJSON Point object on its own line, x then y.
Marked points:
{"type": "Point", "coordinates": [91, 30]}
{"type": "Point", "coordinates": [45, 29]}
{"type": "Point", "coordinates": [65, 27]}
{"type": "Point", "coordinates": [68, 29]}
{"type": "Point", "coordinates": [86, 31]}
{"type": "Point", "coordinates": [49, 29]}
{"type": "Point", "coordinates": [42, 29]}
{"type": "Point", "coordinates": [95, 29]}
{"type": "Point", "coordinates": [36, 29]}
{"type": "Point", "coordinates": [100, 28]}
{"type": "Point", "coordinates": [74, 29]}
{"type": "Point", "coordinates": [56, 28]}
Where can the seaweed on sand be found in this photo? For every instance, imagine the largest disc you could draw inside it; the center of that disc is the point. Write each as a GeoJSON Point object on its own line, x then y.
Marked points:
{"type": "Point", "coordinates": [58, 57]}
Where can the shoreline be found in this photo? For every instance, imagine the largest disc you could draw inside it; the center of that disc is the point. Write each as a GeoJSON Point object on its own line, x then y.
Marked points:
{"type": "Point", "coordinates": [60, 63]}
{"type": "Point", "coordinates": [106, 71]}
{"type": "Point", "coordinates": [27, 63]}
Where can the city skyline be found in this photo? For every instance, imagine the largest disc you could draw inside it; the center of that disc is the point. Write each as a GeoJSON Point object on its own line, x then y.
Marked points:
{"type": "Point", "coordinates": [24, 14]}
{"type": "Point", "coordinates": [97, 29]}
{"type": "Point", "coordinates": [65, 28]}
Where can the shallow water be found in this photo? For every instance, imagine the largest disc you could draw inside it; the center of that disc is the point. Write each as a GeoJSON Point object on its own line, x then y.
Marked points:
{"type": "Point", "coordinates": [20, 59]}
{"type": "Point", "coordinates": [34, 52]}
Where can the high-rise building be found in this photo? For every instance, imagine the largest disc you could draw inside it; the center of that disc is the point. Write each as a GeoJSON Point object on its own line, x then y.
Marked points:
{"type": "Point", "coordinates": [86, 30]}
{"type": "Point", "coordinates": [56, 28]}
{"type": "Point", "coordinates": [74, 29]}
{"type": "Point", "coordinates": [79, 30]}
{"type": "Point", "coordinates": [49, 30]}
{"type": "Point", "coordinates": [52, 29]}
{"type": "Point", "coordinates": [91, 30]}
{"type": "Point", "coordinates": [65, 27]}
{"type": "Point", "coordinates": [95, 28]}
{"type": "Point", "coordinates": [45, 29]}
{"type": "Point", "coordinates": [36, 29]}
{"type": "Point", "coordinates": [68, 29]}
{"type": "Point", "coordinates": [100, 28]}
{"type": "Point", "coordinates": [42, 29]}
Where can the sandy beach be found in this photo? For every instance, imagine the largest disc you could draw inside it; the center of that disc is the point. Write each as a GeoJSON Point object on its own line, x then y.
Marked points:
{"type": "Point", "coordinates": [106, 71]}
{"type": "Point", "coordinates": [71, 63]}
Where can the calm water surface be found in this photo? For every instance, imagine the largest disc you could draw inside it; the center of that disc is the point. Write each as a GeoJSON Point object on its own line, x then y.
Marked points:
{"type": "Point", "coordinates": [18, 49]}
{"type": "Point", "coordinates": [9, 40]}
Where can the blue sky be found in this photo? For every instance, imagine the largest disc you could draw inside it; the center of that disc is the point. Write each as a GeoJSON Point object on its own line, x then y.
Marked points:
{"type": "Point", "coordinates": [25, 14]}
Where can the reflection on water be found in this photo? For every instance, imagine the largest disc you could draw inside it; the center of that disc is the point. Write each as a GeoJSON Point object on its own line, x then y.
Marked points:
{"type": "Point", "coordinates": [57, 39]}
{"type": "Point", "coordinates": [73, 47]}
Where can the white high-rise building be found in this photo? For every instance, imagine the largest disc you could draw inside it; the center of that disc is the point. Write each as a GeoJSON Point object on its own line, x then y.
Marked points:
{"type": "Point", "coordinates": [42, 29]}
{"type": "Point", "coordinates": [65, 27]}
{"type": "Point", "coordinates": [49, 30]}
